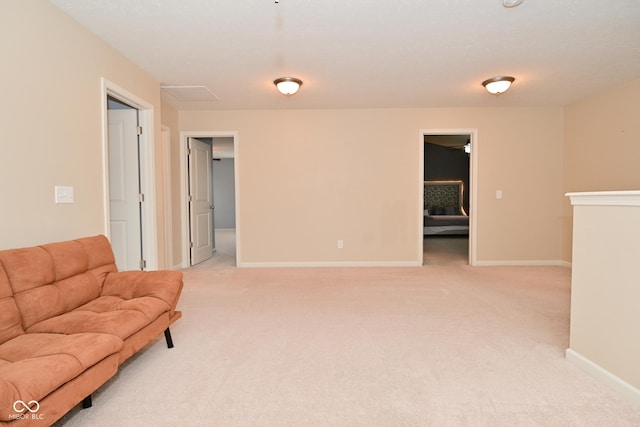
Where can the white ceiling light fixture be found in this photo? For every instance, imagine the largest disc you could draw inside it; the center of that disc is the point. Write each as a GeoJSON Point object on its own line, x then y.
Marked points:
{"type": "Point", "coordinates": [288, 85]}
{"type": "Point", "coordinates": [498, 85]}
{"type": "Point", "coordinates": [511, 3]}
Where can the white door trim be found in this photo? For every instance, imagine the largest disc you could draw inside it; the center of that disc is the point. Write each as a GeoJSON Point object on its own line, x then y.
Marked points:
{"type": "Point", "coordinates": [473, 176]}
{"type": "Point", "coordinates": [147, 172]}
{"type": "Point", "coordinates": [184, 189]}
{"type": "Point", "coordinates": [168, 203]}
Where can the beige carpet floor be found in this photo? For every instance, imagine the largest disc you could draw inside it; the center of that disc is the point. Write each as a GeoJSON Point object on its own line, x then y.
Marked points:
{"type": "Point", "coordinates": [442, 345]}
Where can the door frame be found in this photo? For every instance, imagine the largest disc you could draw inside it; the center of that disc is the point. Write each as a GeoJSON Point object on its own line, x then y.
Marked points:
{"type": "Point", "coordinates": [184, 187]}
{"type": "Point", "coordinates": [147, 167]}
{"type": "Point", "coordinates": [473, 177]}
{"type": "Point", "coordinates": [168, 199]}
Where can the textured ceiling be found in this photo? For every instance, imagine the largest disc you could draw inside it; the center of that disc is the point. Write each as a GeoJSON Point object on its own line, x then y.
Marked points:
{"type": "Point", "coordinates": [373, 53]}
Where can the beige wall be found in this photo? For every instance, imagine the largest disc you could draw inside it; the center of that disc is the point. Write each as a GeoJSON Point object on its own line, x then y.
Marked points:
{"type": "Point", "coordinates": [601, 146]}
{"type": "Point", "coordinates": [331, 174]}
{"type": "Point", "coordinates": [170, 120]}
{"type": "Point", "coordinates": [308, 178]}
{"type": "Point", "coordinates": [50, 122]}
{"type": "Point", "coordinates": [605, 291]}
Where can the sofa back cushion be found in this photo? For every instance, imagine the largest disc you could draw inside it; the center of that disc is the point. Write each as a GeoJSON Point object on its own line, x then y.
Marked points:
{"type": "Point", "coordinates": [10, 321]}
{"type": "Point", "coordinates": [101, 258]}
{"type": "Point", "coordinates": [52, 279]}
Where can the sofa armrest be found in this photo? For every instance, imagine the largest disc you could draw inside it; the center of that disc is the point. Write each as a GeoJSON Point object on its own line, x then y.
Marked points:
{"type": "Point", "coordinates": [165, 285]}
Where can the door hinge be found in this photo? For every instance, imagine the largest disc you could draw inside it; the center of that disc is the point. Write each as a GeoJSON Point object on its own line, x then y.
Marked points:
{"type": "Point", "coordinates": [190, 245]}
{"type": "Point", "coordinates": [141, 197]}
{"type": "Point", "coordinates": [139, 130]}
{"type": "Point", "coordinates": [188, 151]}
{"type": "Point", "coordinates": [189, 198]}
{"type": "Point", "coordinates": [143, 264]}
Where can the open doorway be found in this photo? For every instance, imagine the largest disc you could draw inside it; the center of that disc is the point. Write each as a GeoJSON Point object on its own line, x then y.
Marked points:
{"type": "Point", "coordinates": [210, 195]}
{"type": "Point", "coordinates": [129, 178]}
{"type": "Point", "coordinates": [224, 195]}
{"type": "Point", "coordinates": [125, 201]}
{"type": "Point", "coordinates": [448, 185]}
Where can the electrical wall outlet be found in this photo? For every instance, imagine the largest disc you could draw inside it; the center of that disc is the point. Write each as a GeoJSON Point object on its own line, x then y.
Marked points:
{"type": "Point", "coordinates": [340, 244]}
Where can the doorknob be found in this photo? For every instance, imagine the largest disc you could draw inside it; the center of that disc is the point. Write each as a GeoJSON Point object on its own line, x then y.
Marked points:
{"type": "Point", "coordinates": [211, 207]}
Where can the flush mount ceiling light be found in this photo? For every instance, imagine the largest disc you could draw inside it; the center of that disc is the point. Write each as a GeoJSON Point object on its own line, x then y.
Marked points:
{"type": "Point", "coordinates": [287, 85]}
{"type": "Point", "coordinates": [498, 85]}
{"type": "Point", "coordinates": [511, 3]}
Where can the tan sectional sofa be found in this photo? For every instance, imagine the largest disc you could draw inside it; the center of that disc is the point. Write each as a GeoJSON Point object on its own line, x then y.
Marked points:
{"type": "Point", "coordinates": [68, 319]}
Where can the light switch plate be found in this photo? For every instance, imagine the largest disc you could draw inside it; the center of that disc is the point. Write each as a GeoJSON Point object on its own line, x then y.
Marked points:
{"type": "Point", "coordinates": [64, 194]}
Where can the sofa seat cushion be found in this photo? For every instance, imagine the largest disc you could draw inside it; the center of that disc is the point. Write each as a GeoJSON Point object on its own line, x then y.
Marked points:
{"type": "Point", "coordinates": [106, 314]}
{"type": "Point", "coordinates": [34, 365]}
{"type": "Point", "coordinates": [164, 285]}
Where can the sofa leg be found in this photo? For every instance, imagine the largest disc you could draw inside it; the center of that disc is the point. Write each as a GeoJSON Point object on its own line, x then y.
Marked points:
{"type": "Point", "coordinates": [167, 336]}
{"type": "Point", "coordinates": [86, 402]}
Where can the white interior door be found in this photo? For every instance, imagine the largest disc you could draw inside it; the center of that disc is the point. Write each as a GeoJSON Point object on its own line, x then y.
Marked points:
{"type": "Point", "coordinates": [200, 201]}
{"type": "Point", "coordinates": [124, 189]}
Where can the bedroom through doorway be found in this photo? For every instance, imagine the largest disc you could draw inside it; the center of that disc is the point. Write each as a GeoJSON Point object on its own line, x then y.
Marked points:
{"type": "Point", "coordinates": [447, 197]}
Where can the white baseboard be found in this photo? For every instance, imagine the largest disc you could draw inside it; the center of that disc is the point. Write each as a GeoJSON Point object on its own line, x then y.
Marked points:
{"type": "Point", "coordinates": [598, 372]}
{"type": "Point", "coordinates": [524, 263]}
{"type": "Point", "coordinates": [277, 264]}
{"type": "Point", "coordinates": [331, 264]}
